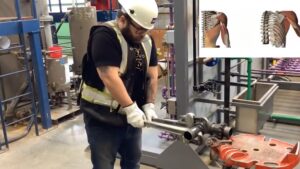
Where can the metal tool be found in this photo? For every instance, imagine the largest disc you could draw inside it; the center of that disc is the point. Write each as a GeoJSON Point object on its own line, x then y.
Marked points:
{"type": "Point", "coordinates": [192, 128]}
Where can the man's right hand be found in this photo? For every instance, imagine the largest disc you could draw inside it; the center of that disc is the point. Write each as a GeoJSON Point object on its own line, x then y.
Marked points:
{"type": "Point", "coordinates": [135, 116]}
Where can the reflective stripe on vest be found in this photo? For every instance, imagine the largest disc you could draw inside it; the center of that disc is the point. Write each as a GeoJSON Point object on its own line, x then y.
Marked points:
{"type": "Point", "coordinates": [93, 95]}
{"type": "Point", "coordinates": [146, 43]}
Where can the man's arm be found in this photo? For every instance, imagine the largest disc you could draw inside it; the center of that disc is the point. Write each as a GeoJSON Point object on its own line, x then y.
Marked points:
{"type": "Point", "coordinates": [152, 84]}
{"type": "Point", "coordinates": [149, 107]}
{"type": "Point", "coordinates": [112, 81]}
{"type": "Point", "coordinates": [115, 85]}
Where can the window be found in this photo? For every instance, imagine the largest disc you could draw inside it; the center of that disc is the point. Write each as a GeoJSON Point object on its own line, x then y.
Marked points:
{"type": "Point", "coordinates": [63, 5]}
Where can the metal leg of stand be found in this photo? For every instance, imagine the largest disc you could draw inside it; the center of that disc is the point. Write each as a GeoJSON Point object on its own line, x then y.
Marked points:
{"type": "Point", "coordinates": [3, 127]}
{"type": "Point", "coordinates": [41, 79]}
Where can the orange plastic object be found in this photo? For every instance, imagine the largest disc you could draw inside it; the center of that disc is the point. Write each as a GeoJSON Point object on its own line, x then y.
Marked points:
{"type": "Point", "coordinates": [255, 151]}
{"type": "Point", "coordinates": [55, 52]}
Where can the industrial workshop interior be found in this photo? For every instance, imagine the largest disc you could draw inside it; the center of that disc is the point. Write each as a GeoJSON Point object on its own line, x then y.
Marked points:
{"type": "Point", "coordinates": [228, 83]}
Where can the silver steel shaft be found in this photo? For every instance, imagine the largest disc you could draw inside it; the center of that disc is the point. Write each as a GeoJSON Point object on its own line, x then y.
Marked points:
{"type": "Point", "coordinates": [167, 127]}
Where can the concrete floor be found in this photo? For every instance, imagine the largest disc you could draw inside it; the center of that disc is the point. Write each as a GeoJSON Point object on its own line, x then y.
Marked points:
{"type": "Point", "coordinates": [60, 147]}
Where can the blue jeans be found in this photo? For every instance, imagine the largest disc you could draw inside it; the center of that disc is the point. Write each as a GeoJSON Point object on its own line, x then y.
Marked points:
{"type": "Point", "coordinates": [107, 140]}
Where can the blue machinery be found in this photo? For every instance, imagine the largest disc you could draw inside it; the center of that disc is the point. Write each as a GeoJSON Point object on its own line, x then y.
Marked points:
{"type": "Point", "coordinates": [32, 28]}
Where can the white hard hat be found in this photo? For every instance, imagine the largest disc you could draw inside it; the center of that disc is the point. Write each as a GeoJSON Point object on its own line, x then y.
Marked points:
{"type": "Point", "coordinates": [143, 12]}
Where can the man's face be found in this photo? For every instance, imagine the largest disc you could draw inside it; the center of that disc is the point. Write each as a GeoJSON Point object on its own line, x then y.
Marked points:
{"type": "Point", "coordinates": [133, 32]}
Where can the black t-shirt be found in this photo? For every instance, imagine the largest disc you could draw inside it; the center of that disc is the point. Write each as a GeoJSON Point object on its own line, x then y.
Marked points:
{"type": "Point", "coordinates": [105, 50]}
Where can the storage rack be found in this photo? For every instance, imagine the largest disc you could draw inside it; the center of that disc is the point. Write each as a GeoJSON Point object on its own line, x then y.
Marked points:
{"type": "Point", "coordinates": [31, 27]}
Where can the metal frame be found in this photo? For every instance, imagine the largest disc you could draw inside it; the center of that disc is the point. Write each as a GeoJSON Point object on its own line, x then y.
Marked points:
{"type": "Point", "coordinates": [3, 127]}
{"type": "Point", "coordinates": [183, 38]}
{"type": "Point", "coordinates": [32, 28]}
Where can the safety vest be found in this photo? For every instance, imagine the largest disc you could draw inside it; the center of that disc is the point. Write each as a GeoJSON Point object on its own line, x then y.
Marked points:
{"type": "Point", "coordinates": [96, 96]}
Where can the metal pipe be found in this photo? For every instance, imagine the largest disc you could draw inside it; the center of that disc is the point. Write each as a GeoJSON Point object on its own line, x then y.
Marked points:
{"type": "Point", "coordinates": [12, 73]}
{"type": "Point", "coordinates": [219, 69]}
{"type": "Point", "coordinates": [167, 127]}
{"type": "Point", "coordinates": [11, 47]}
{"type": "Point", "coordinates": [3, 125]}
{"type": "Point", "coordinates": [16, 97]}
{"type": "Point", "coordinates": [235, 84]}
{"type": "Point", "coordinates": [50, 5]}
{"type": "Point", "coordinates": [239, 63]}
{"type": "Point", "coordinates": [226, 132]}
{"type": "Point", "coordinates": [192, 133]}
{"type": "Point", "coordinates": [287, 85]}
{"type": "Point", "coordinates": [227, 91]}
{"type": "Point", "coordinates": [263, 66]}
{"type": "Point", "coordinates": [200, 73]}
{"type": "Point", "coordinates": [171, 9]}
{"type": "Point", "coordinates": [276, 71]}
{"type": "Point", "coordinates": [239, 69]}
{"type": "Point", "coordinates": [33, 9]}
{"type": "Point", "coordinates": [278, 74]}
{"type": "Point", "coordinates": [239, 75]}
{"type": "Point", "coordinates": [249, 87]}
{"type": "Point", "coordinates": [194, 44]}
{"type": "Point", "coordinates": [21, 119]}
{"type": "Point", "coordinates": [110, 10]}
{"type": "Point", "coordinates": [18, 9]}
{"type": "Point", "coordinates": [172, 69]}
{"type": "Point", "coordinates": [286, 117]}
{"type": "Point", "coordinates": [60, 7]}
{"type": "Point", "coordinates": [46, 20]}
{"type": "Point", "coordinates": [170, 121]}
{"type": "Point", "coordinates": [210, 101]}
{"type": "Point", "coordinates": [270, 77]}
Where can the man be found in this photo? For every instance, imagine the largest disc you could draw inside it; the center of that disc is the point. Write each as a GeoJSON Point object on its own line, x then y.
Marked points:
{"type": "Point", "coordinates": [120, 84]}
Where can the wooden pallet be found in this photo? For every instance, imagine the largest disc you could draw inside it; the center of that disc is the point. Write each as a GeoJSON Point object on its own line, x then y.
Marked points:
{"type": "Point", "coordinates": [63, 113]}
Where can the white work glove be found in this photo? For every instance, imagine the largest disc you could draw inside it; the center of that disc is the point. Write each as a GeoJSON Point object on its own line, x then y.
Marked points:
{"type": "Point", "coordinates": [135, 116]}
{"type": "Point", "coordinates": [149, 111]}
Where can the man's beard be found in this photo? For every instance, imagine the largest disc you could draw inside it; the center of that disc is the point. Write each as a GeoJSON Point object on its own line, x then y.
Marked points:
{"type": "Point", "coordinates": [129, 36]}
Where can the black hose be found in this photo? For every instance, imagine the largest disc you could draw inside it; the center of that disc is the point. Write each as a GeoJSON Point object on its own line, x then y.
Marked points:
{"type": "Point", "coordinates": [61, 23]}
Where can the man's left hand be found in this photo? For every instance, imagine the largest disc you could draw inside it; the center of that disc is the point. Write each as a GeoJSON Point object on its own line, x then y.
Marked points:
{"type": "Point", "coordinates": [149, 111]}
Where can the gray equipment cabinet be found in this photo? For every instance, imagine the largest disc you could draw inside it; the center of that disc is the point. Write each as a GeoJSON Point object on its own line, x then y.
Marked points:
{"type": "Point", "coordinates": [252, 114]}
